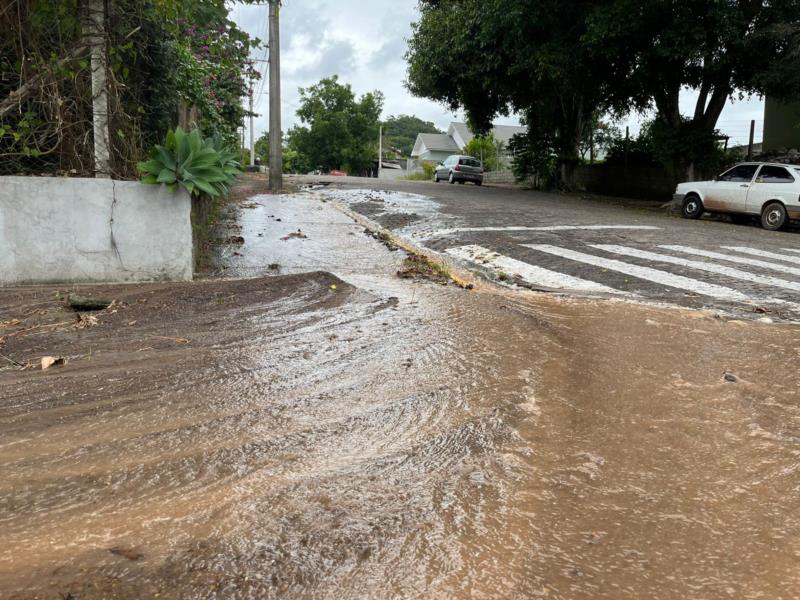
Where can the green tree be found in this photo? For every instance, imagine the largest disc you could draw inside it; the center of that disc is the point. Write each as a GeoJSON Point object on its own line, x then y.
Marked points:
{"type": "Point", "coordinates": [338, 131]}
{"type": "Point", "coordinates": [400, 133]}
{"type": "Point", "coordinates": [561, 72]}
{"type": "Point", "coordinates": [512, 55]}
{"type": "Point", "coordinates": [262, 148]}
{"type": "Point", "coordinates": [719, 49]}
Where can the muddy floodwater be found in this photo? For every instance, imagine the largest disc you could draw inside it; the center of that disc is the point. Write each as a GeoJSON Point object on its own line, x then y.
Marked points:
{"type": "Point", "coordinates": [303, 436]}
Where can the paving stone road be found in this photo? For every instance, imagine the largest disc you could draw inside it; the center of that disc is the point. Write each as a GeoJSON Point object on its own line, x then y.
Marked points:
{"type": "Point", "coordinates": [586, 245]}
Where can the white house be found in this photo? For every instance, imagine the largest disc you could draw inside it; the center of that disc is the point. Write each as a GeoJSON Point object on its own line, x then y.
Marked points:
{"type": "Point", "coordinates": [438, 146]}
{"type": "Point", "coordinates": [434, 146]}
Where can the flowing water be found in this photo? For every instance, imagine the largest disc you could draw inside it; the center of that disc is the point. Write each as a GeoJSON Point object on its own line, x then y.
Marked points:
{"type": "Point", "coordinates": [408, 440]}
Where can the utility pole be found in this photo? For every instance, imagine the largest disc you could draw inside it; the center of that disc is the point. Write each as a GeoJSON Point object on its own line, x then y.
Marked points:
{"type": "Point", "coordinates": [750, 143]}
{"type": "Point", "coordinates": [380, 151]}
{"type": "Point", "coordinates": [94, 31]}
{"type": "Point", "coordinates": [252, 132]}
{"type": "Point", "coordinates": [275, 136]}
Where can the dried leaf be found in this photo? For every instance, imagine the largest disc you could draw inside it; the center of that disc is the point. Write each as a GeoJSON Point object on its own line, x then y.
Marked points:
{"type": "Point", "coordinates": [53, 361]}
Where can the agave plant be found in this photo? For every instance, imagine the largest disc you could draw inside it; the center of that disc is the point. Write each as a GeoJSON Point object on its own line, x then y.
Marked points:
{"type": "Point", "coordinates": [187, 160]}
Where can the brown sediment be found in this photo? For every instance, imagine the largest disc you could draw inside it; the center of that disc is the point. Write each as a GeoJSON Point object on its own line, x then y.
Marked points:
{"type": "Point", "coordinates": [317, 441]}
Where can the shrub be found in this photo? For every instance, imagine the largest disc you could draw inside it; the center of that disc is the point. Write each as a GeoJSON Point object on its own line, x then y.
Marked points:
{"type": "Point", "coordinates": [200, 166]}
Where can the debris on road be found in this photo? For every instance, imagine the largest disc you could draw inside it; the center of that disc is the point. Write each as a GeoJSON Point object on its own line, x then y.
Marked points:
{"type": "Point", "coordinates": [129, 553]}
{"type": "Point", "coordinates": [729, 377]}
{"type": "Point", "coordinates": [294, 235]}
{"type": "Point", "coordinates": [53, 361]}
{"type": "Point", "coordinates": [235, 239]}
{"type": "Point", "coordinates": [85, 321]}
{"type": "Point", "coordinates": [417, 266]}
{"type": "Point", "coordinates": [84, 303]}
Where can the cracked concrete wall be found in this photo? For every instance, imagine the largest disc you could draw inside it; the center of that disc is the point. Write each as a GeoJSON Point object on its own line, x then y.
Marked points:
{"type": "Point", "coordinates": [74, 230]}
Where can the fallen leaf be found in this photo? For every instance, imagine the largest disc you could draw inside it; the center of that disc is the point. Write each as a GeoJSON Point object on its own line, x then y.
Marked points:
{"type": "Point", "coordinates": [85, 321]}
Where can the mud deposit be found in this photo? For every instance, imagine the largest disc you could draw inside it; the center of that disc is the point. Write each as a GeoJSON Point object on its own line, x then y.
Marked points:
{"type": "Point", "coordinates": [297, 436]}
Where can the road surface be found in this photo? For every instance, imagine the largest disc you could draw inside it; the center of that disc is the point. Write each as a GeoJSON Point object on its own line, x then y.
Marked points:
{"type": "Point", "coordinates": [586, 245]}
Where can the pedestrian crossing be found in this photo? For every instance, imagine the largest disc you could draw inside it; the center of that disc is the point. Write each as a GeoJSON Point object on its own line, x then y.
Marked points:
{"type": "Point", "coordinates": [731, 274]}
{"type": "Point", "coordinates": [529, 273]}
{"type": "Point", "coordinates": [754, 262]}
{"type": "Point", "coordinates": [764, 253]}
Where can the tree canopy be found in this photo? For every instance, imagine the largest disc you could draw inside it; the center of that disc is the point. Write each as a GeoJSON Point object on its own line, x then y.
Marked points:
{"type": "Point", "coordinates": [400, 133]}
{"type": "Point", "coordinates": [338, 130]}
{"type": "Point", "coordinates": [560, 63]}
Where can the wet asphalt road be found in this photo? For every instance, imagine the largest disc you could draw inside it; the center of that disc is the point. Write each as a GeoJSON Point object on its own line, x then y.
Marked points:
{"type": "Point", "coordinates": [615, 245]}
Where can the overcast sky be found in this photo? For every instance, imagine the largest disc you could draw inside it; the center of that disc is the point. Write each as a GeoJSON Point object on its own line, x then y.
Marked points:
{"type": "Point", "coordinates": [364, 43]}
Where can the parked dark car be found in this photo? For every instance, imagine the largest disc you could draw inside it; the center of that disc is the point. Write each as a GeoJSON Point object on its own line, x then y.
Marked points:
{"type": "Point", "coordinates": [459, 168]}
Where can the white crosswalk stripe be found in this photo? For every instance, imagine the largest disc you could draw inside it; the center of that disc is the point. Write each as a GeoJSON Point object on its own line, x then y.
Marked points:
{"type": "Point", "coordinates": [791, 249]}
{"type": "Point", "coordinates": [764, 253]}
{"type": "Point", "coordinates": [646, 273]}
{"type": "Point", "coordinates": [532, 275]}
{"type": "Point", "coordinates": [735, 259]}
{"type": "Point", "coordinates": [543, 228]}
{"type": "Point", "coordinates": [701, 266]}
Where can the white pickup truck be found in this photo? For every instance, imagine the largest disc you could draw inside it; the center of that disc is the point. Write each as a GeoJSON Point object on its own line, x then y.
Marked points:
{"type": "Point", "coordinates": [770, 191]}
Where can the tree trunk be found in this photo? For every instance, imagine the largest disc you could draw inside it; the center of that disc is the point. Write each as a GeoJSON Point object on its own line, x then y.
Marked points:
{"type": "Point", "coordinates": [570, 140]}
{"type": "Point", "coordinates": [94, 32]}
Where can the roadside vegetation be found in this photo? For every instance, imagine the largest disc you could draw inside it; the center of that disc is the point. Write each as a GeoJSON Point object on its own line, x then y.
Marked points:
{"type": "Point", "coordinates": [425, 175]}
{"type": "Point", "coordinates": [169, 63]}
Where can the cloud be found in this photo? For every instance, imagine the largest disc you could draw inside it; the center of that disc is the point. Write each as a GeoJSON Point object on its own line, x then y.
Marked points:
{"type": "Point", "coordinates": [331, 58]}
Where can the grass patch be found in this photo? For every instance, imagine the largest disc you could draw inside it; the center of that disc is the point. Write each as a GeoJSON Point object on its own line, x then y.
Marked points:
{"type": "Point", "coordinates": [418, 177]}
{"type": "Point", "coordinates": [417, 266]}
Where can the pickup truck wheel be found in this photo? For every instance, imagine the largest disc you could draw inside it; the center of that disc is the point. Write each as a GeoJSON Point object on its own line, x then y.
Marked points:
{"type": "Point", "coordinates": [692, 207]}
{"type": "Point", "coordinates": [773, 217]}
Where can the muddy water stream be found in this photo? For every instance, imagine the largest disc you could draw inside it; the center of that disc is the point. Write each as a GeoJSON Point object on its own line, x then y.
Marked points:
{"type": "Point", "coordinates": [405, 440]}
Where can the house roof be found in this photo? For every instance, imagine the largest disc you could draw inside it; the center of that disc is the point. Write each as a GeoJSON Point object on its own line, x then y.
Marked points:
{"type": "Point", "coordinates": [434, 142]}
{"type": "Point", "coordinates": [502, 133]}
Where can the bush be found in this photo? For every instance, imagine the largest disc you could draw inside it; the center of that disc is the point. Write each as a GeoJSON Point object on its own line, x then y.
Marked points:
{"type": "Point", "coordinates": [200, 166]}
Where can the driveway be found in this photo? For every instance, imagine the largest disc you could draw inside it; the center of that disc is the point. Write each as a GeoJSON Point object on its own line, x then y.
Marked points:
{"type": "Point", "coordinates": [585, 245]}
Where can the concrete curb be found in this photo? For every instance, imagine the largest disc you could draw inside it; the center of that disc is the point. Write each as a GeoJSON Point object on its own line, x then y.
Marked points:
{"type": "Point", "coordinates": [461, 277]}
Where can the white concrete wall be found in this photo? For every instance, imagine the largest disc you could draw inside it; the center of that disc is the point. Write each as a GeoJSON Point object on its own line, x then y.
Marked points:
{"type": "Point", "coordinates": [65, 230]}
{"type": "Point", "coordinates": [393, 173]}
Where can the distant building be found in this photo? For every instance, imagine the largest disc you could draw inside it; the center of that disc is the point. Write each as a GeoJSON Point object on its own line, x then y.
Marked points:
{"type": "Point", "coordinates": [781, 125]}
{"type": "Point", "coordinates": [438, 146]}
{"type": "Point", "coordinates": [434, 147]}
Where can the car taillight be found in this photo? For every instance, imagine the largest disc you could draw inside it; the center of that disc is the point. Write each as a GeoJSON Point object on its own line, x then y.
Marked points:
{"type": "Point", "coordinates": [458, 168]}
